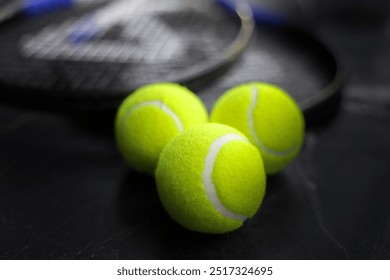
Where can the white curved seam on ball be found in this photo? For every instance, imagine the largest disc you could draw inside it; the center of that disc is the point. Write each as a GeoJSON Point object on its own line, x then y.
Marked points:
{"type": "Point", "coordinates": [252, 131]}
{"type": "Point", "coordinates": [162, 106]}
{"type": "Point", "coordinates": [208, 183]}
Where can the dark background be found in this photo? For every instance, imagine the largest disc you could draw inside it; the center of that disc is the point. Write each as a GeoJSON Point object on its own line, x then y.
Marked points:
{"type": "Point", "coordinates": [65, 192]}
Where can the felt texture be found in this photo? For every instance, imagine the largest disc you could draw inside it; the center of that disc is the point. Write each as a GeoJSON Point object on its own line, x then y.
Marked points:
{"type": "Point", "coordinates": [238, 176]}
{"type": "Point", "coordinates": [277, 120]}
{"type": "Point", "coordinates": [143, 128]}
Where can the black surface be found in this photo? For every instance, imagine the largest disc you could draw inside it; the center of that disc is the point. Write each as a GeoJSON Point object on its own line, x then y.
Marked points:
{"type": "Point", "coordinates": [65, 192]}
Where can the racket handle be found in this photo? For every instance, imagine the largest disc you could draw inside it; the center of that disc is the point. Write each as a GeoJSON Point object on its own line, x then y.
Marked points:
{"type": "Point", "coordinates": [38, 7]}
{"type": "Point", "coordinates": [260, 15]}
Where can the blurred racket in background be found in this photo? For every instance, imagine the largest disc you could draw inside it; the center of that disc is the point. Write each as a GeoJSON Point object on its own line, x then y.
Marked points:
{"type": "Point", "coordinates": [92, 55]}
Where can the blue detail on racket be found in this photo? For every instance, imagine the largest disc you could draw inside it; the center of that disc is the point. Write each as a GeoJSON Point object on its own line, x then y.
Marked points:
{"type": "Point", "coordinates": [38, 7]}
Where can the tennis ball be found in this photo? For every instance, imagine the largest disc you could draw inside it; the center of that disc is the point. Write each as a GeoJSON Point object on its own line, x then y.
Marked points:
{"type": "Point", "coordinates": [151, 117]}
{"type": "Point", "coordinates": [210, 178]}
{"type": "Point", "coordinates": [268, 116]}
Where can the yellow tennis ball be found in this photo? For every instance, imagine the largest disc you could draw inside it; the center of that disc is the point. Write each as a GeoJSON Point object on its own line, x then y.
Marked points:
{"type": "Point", "coordinates": [151, 117]}
{"type": "Point", "coordinates": [210, 178]}
{"type": "Point", "coordinates": [268, 116]}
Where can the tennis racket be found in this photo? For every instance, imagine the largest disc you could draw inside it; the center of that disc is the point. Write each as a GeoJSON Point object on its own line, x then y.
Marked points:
{"type": "Point", "coordinates": [93, 55]}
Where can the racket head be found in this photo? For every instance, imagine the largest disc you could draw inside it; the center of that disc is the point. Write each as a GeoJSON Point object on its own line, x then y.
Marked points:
{"type": "Point", "coordinates": [175, 40]}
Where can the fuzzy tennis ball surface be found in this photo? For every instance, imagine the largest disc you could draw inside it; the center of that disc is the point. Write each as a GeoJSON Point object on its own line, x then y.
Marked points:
{"type": "Point", "coordinates": [210, 178]}
{"type": "Point", "coordinates": [151, 117]}
{"type": "Point", "coordinates": [268, 116]}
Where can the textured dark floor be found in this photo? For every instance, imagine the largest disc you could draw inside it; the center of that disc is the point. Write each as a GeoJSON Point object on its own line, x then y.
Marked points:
{"type": "Point", "coordinates": [66, 194]}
